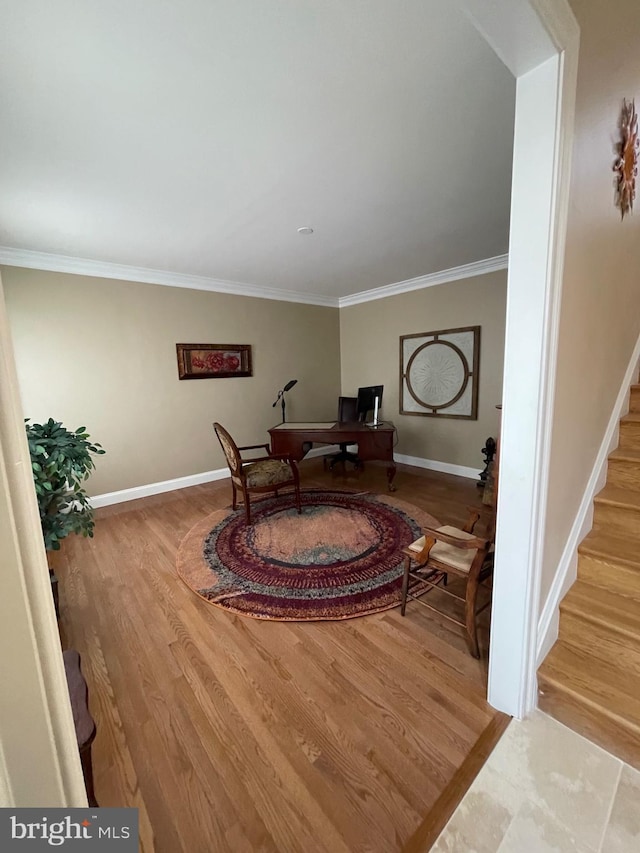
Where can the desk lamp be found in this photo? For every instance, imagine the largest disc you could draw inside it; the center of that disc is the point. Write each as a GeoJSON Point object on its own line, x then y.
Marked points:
{"type": "Point", "coordinates": [281, 394]}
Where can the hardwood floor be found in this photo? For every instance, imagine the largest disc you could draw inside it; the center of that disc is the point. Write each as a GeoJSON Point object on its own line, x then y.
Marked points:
{"type": "Point", "coordinates": [234, 734]}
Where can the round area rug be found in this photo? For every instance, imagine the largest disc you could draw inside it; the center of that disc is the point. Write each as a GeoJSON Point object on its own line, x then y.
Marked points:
{"type": "Point", "coordinates": [341, 558]}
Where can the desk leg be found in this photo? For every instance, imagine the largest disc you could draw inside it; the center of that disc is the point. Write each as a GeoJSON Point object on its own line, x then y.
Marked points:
{"type": "Point", "coordinates": [391, 473]}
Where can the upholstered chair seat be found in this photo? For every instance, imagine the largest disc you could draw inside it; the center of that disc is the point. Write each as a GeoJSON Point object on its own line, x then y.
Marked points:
{"type": "Point", "coordinates": [268, 472]}
{"type": "Point", "coordinates": [264, 474]}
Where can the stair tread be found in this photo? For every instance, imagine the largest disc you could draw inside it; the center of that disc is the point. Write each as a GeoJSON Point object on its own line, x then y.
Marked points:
{"type": "Point", "coordinates": [593, 681]}
{"type": "Point", "coordinates": [619, 496]}
{"type": "Point", "coordinates": [625, 455]}
{"type": "Point", "coordinates": [631, 417]}
{"type": "Point", "coordinates": [621, 613]}
{"type": "Point", "coordinates": [605, 544]}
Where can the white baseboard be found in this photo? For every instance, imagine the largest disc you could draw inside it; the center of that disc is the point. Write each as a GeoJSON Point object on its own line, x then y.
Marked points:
{"type": "Point", "coordinates": [171, 485]}
{"type": "Point", "coordinates": [435, 465]}
{"type": "Point", "coordinates": [209, 476]}
{"type": "Point", "coordinates": [158, 488]}
{"type": "Point", "coordinates": [416, 461]}
{"type": "Point", "coordinates": [566, 572]}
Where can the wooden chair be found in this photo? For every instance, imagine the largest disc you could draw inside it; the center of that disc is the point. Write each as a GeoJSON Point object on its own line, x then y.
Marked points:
{"type": "Point", "coordinates": [268, 473]}
{"type": "Point", "coordinates": [455, 551]}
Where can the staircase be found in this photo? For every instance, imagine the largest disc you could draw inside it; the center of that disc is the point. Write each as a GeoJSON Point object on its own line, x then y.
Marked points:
{"type": "Point", "coordinates": [590, 680]}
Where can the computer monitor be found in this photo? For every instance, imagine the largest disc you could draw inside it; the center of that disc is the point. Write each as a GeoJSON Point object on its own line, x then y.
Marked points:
{"type": "Point", "coordinates": [369, 400]}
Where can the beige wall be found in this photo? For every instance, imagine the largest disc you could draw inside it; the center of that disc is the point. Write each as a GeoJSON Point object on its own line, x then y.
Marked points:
{"type": "Point", "coordinates": [39, 760]}
{"type": "Point", "coordinates": [102, 353]}
{"type": "Point", "coordinates": [600, 315]}
{"type": "Point", "coordinates": [370, 333]}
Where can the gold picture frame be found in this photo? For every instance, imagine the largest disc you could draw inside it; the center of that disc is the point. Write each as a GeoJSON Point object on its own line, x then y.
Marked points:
{"type": "Point", "coordinates": [214, 361]}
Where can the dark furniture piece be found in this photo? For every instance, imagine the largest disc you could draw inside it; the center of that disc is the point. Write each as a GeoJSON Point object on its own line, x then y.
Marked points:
{"type": "Point", "coordinates": [82, 719]}
{"type": "Point", "coordinates": [348, 414]}
{"type": "Point", "coordinates": [489, 496]}
{"type": "Point", "coordinates": [295, 441]}
{"type": "Point", "coordinates": [268, 473]}
{"type": "Point", "coordinates": [55, 591]}
{"type": "Point", "coordinates": [488, 451]}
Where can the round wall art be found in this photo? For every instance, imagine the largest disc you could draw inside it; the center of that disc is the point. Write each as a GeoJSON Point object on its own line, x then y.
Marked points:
{"type": "Point", "coordinates": [626, 165]}
{"type": "Point", "coordinates": [439, 372]}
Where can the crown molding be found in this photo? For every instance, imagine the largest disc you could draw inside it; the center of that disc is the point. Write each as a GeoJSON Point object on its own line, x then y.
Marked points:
{"type": "Point", "coordinates": [512, 29]}
{"type": "Point", "coordinates": [103, 269]}
{"type": "Point", "coordinates": [500, 262]}
{"type": "Point", "coordinates": [559, 22]}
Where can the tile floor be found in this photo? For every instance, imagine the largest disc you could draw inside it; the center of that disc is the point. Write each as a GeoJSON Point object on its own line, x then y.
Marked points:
{"type": "Point", "coordinates": [546, 789]}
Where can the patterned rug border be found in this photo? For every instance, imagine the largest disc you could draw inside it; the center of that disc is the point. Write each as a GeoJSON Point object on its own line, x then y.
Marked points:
{"type": "Point", "coordinates": [191, 550]}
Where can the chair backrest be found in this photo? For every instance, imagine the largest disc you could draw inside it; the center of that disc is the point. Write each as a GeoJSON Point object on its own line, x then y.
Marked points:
{"type": "Point", "coordinates": [230, 450]}
{"type": "Point", "coordinates": [347, 409]}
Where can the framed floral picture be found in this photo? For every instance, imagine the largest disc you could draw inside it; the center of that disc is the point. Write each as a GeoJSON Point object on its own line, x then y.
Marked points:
{"type": "Point", "coordinates": [213, 361]}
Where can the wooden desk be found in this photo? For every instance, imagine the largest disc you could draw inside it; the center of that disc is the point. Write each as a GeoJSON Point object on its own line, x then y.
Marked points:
{"type": "Point", "coordinates": [296, 439]}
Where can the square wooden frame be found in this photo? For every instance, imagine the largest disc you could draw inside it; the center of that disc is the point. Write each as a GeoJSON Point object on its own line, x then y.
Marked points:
{"type": "Point", "coordinates": [214, 361]}
{"type": "Point", "coordinates": [470, 374]}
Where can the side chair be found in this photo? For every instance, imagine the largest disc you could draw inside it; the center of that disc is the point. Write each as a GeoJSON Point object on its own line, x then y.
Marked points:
{"type": "Point", "coordinates": [262, 474]}
{"type": "Point", "coordinates": [445, 551]}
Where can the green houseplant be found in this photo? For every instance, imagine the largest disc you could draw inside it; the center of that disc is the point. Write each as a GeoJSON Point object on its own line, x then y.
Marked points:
{"type": "Point", "coordinates": [61, 461]}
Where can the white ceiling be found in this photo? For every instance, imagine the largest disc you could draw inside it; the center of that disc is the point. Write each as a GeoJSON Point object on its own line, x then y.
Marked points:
{"type": "Point", "coordinates": [196, 136]}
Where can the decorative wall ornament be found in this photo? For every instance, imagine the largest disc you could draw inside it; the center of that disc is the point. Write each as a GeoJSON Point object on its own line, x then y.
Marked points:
{"type": "Point", "coordinates": [213, 361]}
{"type": "Point", "coordinates": [626, 165]}
{"type": "Point", "coordinates": [488, 451]}
{"type": "Point", "coordinates": [439, 373]}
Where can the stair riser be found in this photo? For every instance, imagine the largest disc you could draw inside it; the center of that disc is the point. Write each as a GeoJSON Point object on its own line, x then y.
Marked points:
{"type": "Point", "coordinates": [611, 576]}
{"type": "Point", "coordinates": [623, 474]}
{"type": "Point", "coordinates": [588, 713]}
{"type": "Point", "coordinates": [618, 650]}
{"type": "Point", "coordinates": [593, 723]}
{"type": "Point", "coordinates": [617, 519]}
{"type": "Point", "coordinates": [629, 435]}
